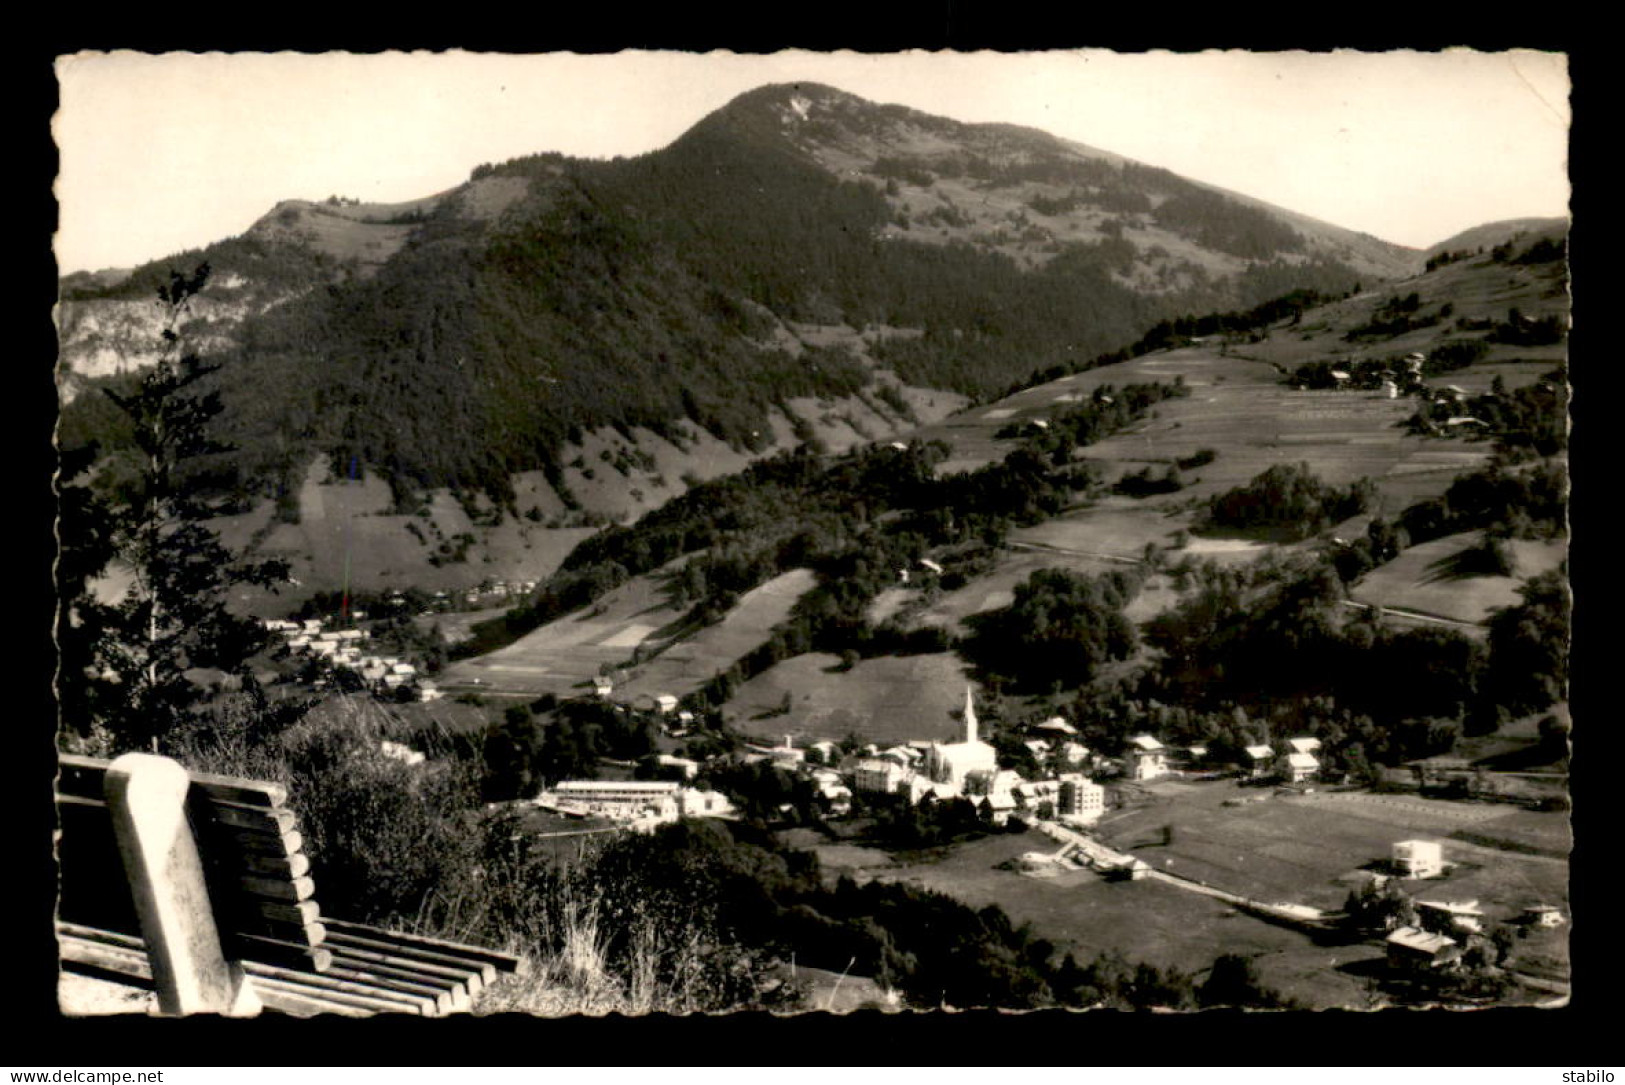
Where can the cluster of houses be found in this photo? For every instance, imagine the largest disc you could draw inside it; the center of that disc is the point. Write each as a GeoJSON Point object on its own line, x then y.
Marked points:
{"type": "Point", "coordinates": [493, 592]}
{"type": "Point", "coordinates": [1444, 929]}
{"type": "Point", "coordinates": [967, 768]}
{"type": "Point", "coordinates": [1295, 763]}
{"type": "Point", "coordinates": [342, 649]}
{"type": "Point", "coordinates": [1448, 407]}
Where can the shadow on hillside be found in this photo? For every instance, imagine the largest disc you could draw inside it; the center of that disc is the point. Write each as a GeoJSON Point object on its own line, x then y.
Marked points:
{"type": "Point", "coordinates": [1369, 968]}
{"type": "Point", "coordinates": [1469, 563]}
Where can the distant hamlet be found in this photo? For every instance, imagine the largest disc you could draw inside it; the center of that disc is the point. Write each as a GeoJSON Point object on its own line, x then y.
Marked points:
{"type": "Point", "coordinates": [845, 559]}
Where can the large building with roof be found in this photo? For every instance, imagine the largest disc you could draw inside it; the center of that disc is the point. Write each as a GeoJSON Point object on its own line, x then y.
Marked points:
{"type": "Point", "coordinates": [951, 762]}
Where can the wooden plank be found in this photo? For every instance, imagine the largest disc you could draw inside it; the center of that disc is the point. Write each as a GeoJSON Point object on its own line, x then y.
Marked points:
{"type": "Point", "coordinates": [289, 954]}
{"type": "Point", "coordinates": [276, 845]}
{"type": "Point", "coordinates": [320, 1000]}
{"type": "Point", "coordinates": [117, 939]}
{"type": "Point", "coordinates": [399, 1001]}
{"type": "Point", "coordinates": [439, 996]}
{"type": "Point", "coordinates": [502, 962]}
{"type": "Point", "coordinates": [83, 776]}
{"type": "Point", "coordinates": [296, 1002]}
{"type": "Point", "coordinates": [250, 910]}
{"type": "Point", "coordinates": [459, 985]}
{"type": "Point", "coordinates": [344, 938]}
{"type": "Point", "coordinates": [439, 978]}
{"type": "Point", "coordinates": [239, 790]}
{"type": "Point", "coordinates": [269, 820]}
{"type": "Point", "coordinates": [305, 934]}
{"type": "Point", "coordinates": [105, 960]}
{"type": "Point", "coordinates": [291, 890]}
{"type": "Point", "coordinates": [275, 866]}
{"type": "Point", "coordinates": [463, 974]}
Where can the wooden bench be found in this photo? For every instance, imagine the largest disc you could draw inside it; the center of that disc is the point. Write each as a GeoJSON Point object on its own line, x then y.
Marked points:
{"type": "Point", "coordinates": [197, 887]}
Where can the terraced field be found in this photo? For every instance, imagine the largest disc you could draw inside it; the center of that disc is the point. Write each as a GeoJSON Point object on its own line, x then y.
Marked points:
{"type": "Point", "coordinates": [563, 656]}
{"type": "Point", "coordinates": [682, 668]}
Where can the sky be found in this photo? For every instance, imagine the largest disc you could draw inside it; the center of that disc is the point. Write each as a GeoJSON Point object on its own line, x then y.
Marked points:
{"type": "Point", "coordinates": [169, 152]}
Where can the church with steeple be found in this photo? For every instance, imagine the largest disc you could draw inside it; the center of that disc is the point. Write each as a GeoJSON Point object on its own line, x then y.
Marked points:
{"type": "Point", "coordinates": [951, 762]}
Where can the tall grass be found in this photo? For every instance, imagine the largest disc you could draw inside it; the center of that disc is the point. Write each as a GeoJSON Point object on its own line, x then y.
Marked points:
{"type": "Point", "coordinates": [415, 848]}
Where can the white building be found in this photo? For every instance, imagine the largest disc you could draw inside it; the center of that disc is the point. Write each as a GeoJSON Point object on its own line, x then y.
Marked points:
{"type": "Point", "coordinates": [1082, 801]}
{"type": "Point", "coordinates": [951, 762]}
{"type": "Point", "coordinates": [644, 803]}
{"type": "Point", "coordinates": [1298, 767]}
{"type": "Point", "coordinates": [703, 803]}
{"type": "Point", "coordinates": [879, 774]}
{"type": "Point", "coordinates": [787, 756]}
{"type": "Point", "coordinates": [1256, 760]}
{"type": "Point", "coordinates": [618, 800]}
{"type": "Point", "coordinates": [1459, 916]}
{"type": "Point", "coordinates": [1147, 758]}
{"type": "Point", "coordinates": [690, 768]}
{"type": "Point", "coordinates": [1419, 858]}
{"type": "Point", "coordinates": [400, 752]}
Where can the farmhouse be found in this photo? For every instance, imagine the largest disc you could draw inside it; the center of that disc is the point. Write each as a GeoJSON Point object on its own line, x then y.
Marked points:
{"type": "Point", "coordinates": [1418, 858]}
{"type": "Point", "coordinates": [1450, 916]}
{"type": "Point", "coordinates": [1256, 760]}
{"type": "Point", "coordinates": [1542, 915]}
{"type": "Point", "coordinates": [1147, 758]}
{"type": "Point", "coordinates": [1413, 949]}
{"type": "Point", "coordinates": [1298, 767]}
{"type": "Point", "coordinates": [1073, 753]}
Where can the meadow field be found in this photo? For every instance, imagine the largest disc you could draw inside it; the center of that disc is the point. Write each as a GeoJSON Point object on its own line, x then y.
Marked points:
{"type": "Point", "coordinates": [687, 664]}
{"type": "Point", "coordinates": [1311, 849]}
{"type": "Point", "coordinates": [886, 700]}
{"type": "Point", "coordinates": [565, 655]}
{"type": "Point", "coordinates": [1421, 579]}
{"type": "Point", "coordinates": [1148, 920]}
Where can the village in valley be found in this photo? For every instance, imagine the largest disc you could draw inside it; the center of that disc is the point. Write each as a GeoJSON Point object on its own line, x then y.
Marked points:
{"type": "Point", "coordinates": [1060, 585]}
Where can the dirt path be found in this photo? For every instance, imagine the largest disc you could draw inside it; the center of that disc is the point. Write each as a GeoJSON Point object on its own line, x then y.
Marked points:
{"type": "Point", "coordinates": [1416, 616]}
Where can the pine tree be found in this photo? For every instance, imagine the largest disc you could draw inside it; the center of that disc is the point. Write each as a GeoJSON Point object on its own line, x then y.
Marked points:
{"type": "Point", "coordinates": [124, 663]}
